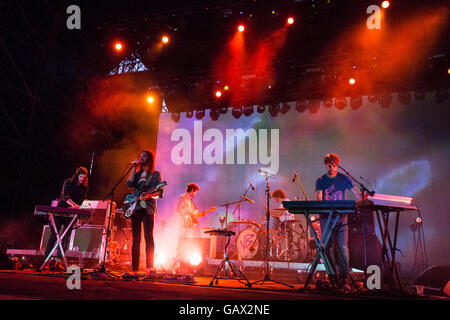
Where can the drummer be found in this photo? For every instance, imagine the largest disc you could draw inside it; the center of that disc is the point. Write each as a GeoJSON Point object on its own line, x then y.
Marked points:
{"type": "Point", "coordinates": [279, 196]}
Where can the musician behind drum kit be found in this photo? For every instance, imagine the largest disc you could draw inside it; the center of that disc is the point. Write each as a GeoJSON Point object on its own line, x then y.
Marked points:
{"type": "Point", "coordinates": [279, 196]}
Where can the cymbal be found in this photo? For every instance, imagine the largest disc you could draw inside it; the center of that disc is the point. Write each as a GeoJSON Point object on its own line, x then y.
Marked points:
{"type": "Point", "coordinates": [280, 209]}
{"type": "Point", "coordinates": [242, 221]}
{"type": "Point", "coordinates": [291, 221]}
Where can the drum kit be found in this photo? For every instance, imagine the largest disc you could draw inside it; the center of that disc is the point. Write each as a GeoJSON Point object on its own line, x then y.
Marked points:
{"type": "Point", "coordinates": [288, 241]}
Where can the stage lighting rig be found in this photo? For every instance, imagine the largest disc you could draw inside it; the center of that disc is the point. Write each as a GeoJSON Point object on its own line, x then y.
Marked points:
{"type": "Point", "coordinates": [237, 112]}
{"type": "Point", "coordinates": [200, 114]}
{"type": "Point", "coordinates": [248, 111]}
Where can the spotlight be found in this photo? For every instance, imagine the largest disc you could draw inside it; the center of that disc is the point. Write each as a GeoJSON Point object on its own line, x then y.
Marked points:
{"type": "Point", "coordinates": [241, 28]}
{"type": "Point", "coordinates": [237, 112]}
{"type": "Point", "coordinates": [340, 103]}
{"type": "Point", "coordinates": [248, 110]}
{"type": "Point", "coordinates": [313, 105]}
{"type": "Point", "coordinates": [328, 103]}
{"type": "Point", "coordinates": [226, 88]}
{"type": "Point", "coordinates": [165, 39]}
{"type": "Point", "coordinates": [404, 97]}
{"type": "Point", "coordinates": [195, 258]}
{"type": "Point", "coordinates": [290, 20]}
{"type": "Point", "coordinates": [274, 109]}
{"type": "Point", "coordinates": [214, 114]}
{"type": "Point", "coordinates": [176, 116]}
{"type": "Point", "coordinates": [223, 110]}
{"type": "Point", "coordinates": [385, 4]}
{"type": "Point", "coordinates": [285, 108]}
{"type": "Point", "coordinates": [352, 81]}
{"type": "Point", "coordinates": [150, 99]}
{"type": "Point", "coordinates": [419, 95]}
{"type": "Point", "coordinates": [200, 114]}
{"type": "Point", "coordinates": [385, 100]}
{"type": "Point", "coordinates": [261, 109]}
{"type": "Point", "coordinates": [301, 106]}
{"type": "Point", "coordinates": [372, 98]}
{"type": "Point", "coordinates": [189, 114]}
{"type": "Point", "coordinates": [355, 102]}
{"type": "Point", "coordinates": [418, 220]}
{"type": "Point", "coordinates": [118, 46]}
{"type": "Point", "coordinates": [218, 93]}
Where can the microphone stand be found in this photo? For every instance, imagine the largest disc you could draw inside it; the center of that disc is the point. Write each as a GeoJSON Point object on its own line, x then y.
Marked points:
{"type": "Point", "coordinates": [238, 207]}
{"type": "Point", "coordinates": [102, 271]}
{"type": "Point", "coordinates": [307, 225]}
{"type": "Point", "coordinates": [364, 204]}
{"type": "Point", "coordinates": [266, 275]}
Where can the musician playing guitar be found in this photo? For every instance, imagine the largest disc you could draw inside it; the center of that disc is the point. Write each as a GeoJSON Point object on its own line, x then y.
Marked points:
{"type": "Point", "coordinates": [186, 209]}
{"type": "Point", "coordinates": [144, 177]}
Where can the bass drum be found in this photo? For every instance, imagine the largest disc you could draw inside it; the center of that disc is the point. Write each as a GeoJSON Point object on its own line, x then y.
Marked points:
{"type": "Point", "coordinates": [249, 245]}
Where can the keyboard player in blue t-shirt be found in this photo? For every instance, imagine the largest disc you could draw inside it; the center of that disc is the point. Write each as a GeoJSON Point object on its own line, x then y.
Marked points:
{"type": "Point", "coordinates": [333, 186]}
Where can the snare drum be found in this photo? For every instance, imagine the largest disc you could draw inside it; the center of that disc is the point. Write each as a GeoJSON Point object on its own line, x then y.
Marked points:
{"type": "Point", "coordinates": [274, 225]}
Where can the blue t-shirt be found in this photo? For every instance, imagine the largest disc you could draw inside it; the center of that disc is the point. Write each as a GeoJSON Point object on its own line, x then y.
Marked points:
{"type": "Point", "coordinates": [334, 188]}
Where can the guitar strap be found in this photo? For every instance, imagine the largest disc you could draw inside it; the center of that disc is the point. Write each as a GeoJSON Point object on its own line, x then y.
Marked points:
{"type": "Point", "coordinates": [147, 182]}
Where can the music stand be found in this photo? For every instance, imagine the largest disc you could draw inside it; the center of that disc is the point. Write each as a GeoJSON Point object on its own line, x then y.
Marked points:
{"type": "Point", "coordinates": [227, 262]}
{"type": "Point", "coordinates": [266, 275]}
{"type": "Point", "coordinates": [103, 271]}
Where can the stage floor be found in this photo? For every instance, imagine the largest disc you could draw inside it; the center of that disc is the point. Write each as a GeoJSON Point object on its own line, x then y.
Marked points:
{"type": "Point", "coordinates": [32, 285]}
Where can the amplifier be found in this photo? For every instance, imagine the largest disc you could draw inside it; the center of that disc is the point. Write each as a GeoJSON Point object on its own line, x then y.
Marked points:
{"type": "Point", "coordinates": [87, 238]}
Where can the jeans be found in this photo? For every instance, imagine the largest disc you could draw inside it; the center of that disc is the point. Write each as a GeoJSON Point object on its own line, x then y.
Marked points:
{"type": "Point", "coordinates": [339, 244]}
{"type": "Point", "coordinates": [137, 219]}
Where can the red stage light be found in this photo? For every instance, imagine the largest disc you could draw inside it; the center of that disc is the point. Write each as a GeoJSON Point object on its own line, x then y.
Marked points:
{"type": "Point", "coordinates": [195, 259]}
{"type": "Point", "coordinates": [118, 46]}
{"type": "Point", "coordinates": [352, 81]}
{"type": "Point", "coordinates": [218, 94]}
{"type": "Point", "coordinates": [150, 99]}
{"type": "Point", "coordinates": [290, 20]}
{"type": "Point", "coordinates": [385, 4]}
{"type": "Point", "coordinates": [419, 220]}
{"type": "Point", "coordinates": [241, 28]}
{"type": "Point", "coordinates": [165, 39]}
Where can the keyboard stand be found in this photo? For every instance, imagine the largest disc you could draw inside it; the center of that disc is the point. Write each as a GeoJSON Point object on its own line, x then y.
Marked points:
{"type": "Point", "coordinates": [321, 247]}
{"type": "Point", "coordinates": [58, 240]}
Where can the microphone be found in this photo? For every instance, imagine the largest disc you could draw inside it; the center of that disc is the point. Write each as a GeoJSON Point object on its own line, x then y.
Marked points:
{"type": "Point", "coordinates": [296, 174]}
{"type": "Point", "coordinates": [253, 188]}
{"type": "Point", "coordinates": [250, 200]}
{"type": "Point", "coordinates": [265, 172]}
{"type": "Point", "coordinates": [136, 162]}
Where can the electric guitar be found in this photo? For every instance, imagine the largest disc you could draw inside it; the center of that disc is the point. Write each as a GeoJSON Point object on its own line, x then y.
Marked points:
{"type": "Point", "coordinates": [191, 219]}
{"type": "Point", "coordinates": [132, 202]}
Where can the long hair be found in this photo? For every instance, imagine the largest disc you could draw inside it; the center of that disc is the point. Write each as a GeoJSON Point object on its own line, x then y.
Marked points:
{"type": "Point", "coordinates": [151, 160]}
{"type": "Point", "coordinates": [80, 170]}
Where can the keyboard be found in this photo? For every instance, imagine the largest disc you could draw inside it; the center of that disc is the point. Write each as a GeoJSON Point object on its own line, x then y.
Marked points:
{"type": "Point", "coordinates": [57, 211]}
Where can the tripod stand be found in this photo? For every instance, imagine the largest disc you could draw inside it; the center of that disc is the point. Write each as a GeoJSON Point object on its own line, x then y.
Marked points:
{"type": "Point", "coordinates": [266, 275]}
{"type": "Point", "coordinates": [102, 272]}
{"type": "Point", "coordinates": [227, 262]}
